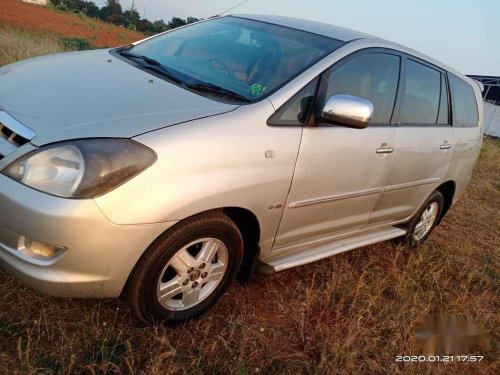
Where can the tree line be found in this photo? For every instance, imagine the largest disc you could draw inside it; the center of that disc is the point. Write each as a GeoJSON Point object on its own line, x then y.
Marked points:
{"type": "Point", "coordinates": [113, 13]}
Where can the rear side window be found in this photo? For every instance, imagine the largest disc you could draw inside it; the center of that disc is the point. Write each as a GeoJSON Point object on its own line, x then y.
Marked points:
{"type": "Point", "coordinates": [422, 94]}
{"type": "Point", "coordinates": [463, 102]}
{"type": "Point", "coordinates": [371, 76]}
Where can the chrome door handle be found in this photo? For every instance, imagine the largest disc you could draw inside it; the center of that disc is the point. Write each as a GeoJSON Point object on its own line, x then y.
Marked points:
{"type": "Point", "coordinates": [445, 146]}
{"type": "Point", "coordinates": [385, 150]}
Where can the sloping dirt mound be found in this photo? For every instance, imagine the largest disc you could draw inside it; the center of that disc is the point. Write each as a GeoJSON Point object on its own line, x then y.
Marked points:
{"type": "Point", "coordinates": [39, 19]}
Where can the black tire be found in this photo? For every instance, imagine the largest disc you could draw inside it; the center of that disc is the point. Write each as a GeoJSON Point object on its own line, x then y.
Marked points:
{"type": "Point", "coordinates": [409, 239]}
{"type": "Point", "coordinates": [141, 295]}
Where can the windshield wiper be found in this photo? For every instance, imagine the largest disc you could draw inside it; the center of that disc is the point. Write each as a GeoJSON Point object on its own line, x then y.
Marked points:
{"type": "Point", "coordinates": [217, 90]}
{"type": "Point", "coordinates": [146, 59]}
{"type": "Point", "coordinates": [157, 67]}
{"type": "Point", "coordinates": [152, 64]}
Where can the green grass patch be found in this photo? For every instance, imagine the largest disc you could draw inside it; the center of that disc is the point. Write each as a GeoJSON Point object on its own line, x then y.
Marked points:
{"type": "Point", "coordinates": [75, 44]}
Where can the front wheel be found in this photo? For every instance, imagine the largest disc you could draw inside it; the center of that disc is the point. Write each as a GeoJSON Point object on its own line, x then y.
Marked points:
{"type": "Point", "coordinates": [423, 223]}
{"type": "Point", "coordinates": [186, 270]}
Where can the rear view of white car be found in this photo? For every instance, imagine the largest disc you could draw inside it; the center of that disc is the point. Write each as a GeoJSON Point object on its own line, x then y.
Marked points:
{"type": "Point", "coordinates": [162, 170]}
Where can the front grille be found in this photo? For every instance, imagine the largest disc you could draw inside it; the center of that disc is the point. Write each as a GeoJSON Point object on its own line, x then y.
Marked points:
{"type": "Point", "coordinates": [13, 134]}
{"type": "Point", "coordinates": [11, 137]}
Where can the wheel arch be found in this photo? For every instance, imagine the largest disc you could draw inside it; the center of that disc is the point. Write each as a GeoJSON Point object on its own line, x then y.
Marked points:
{"type": "Point", "coordinates": [249, 227]}
{"type": "Point", "coordinates": [447, 189]}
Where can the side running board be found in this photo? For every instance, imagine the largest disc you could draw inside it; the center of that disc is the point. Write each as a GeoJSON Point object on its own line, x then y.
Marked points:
{"type": "Point", "coordinates": [282, 262]}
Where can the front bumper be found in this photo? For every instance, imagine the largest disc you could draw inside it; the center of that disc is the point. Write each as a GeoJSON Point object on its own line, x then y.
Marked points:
{"type": "Point", "coordinates": [100, 255]}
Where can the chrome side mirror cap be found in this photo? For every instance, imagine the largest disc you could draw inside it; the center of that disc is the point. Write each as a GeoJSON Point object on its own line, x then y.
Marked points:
{"type": "Point", "coordinates": [347, 110]}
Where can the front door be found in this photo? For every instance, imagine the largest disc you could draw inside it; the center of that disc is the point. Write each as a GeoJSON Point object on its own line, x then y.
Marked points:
{"type": "Point", "coordinates": [341, 172]}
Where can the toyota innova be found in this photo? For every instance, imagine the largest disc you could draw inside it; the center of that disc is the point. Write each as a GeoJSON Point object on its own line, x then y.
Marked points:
{"type": "Point", "coordinates": [162, 170]}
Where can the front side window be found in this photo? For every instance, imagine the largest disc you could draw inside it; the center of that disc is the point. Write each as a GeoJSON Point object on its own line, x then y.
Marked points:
{"type": "Point", "coordinates": [371, 76]}
{"type": "Point", "coordinates": [227, 55]}
{"type": "Point", "coordinates": [421, 94]}
{"type": "Point", "coordinates": [463, 102]}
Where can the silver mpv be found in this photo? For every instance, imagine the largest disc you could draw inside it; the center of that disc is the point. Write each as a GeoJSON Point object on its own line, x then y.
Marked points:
{"type": "Point", "coordinates": [162, 170]}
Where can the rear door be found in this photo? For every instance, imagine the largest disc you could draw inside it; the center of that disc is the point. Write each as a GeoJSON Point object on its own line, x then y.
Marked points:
{"type": "Point", "coordinates": [424, 145]}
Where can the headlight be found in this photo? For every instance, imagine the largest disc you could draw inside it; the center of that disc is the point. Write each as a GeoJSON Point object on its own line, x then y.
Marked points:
{"type": "Point", "coordinates": [82, 168]}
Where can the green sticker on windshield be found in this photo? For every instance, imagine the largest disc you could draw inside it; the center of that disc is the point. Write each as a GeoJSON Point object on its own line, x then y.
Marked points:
{"type": "Point", "coordinates": [256, 89]}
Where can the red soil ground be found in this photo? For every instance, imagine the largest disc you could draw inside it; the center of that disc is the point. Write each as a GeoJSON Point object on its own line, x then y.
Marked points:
{"type": "Point", "coordinates": [43, 20]}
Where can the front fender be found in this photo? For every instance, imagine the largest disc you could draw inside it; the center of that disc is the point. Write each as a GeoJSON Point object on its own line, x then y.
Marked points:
{"type": "Point", "coordinates": [212, 163]}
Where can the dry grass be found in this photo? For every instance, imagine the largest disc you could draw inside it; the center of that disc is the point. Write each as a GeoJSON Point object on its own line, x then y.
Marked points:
{"type": "Point", "coordinates": [16, 45]}
{"type": "Point", "coordinates": [350, 314]}
{"type": "Point", "coordinates": [47, 21]}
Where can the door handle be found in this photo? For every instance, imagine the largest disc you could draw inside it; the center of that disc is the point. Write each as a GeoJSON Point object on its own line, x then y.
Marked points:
{"type": "Point", "coordinates": [385, 150]}
{"type": "Point", "coordinates": [445, 146]}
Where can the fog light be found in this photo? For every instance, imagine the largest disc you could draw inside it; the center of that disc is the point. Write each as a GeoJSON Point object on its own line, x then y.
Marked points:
{"type": "Point", "coordinates": [41, 250]}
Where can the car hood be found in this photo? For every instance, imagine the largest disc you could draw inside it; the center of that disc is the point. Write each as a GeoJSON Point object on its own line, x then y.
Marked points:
{"type": "Point", "coordinates": [94, 94]}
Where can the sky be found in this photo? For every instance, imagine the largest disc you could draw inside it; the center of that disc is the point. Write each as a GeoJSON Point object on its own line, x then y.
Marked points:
{"type": "Point", "coordinates": [463, 34]}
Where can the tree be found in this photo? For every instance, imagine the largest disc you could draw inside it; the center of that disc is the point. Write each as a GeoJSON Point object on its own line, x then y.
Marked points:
{"type": "Point", "coordinates": [74, 5]}
{"type": "Point", "coordinates": [131, 18]}
{"type": "Point", "coordinates": [192, 20]}
{"type": "Point", "coordinates": [176, 22]}
{"type": "Point", "coordinates": [144, 26]}
{"type": "Point", "coordinates": [116, 19]}
{"type": "Point", "coordinates": [91, 9]}
{"type": "Point", "coordinates": [159, 27]}
{"type": "Point", "coordinates": [112, 12]}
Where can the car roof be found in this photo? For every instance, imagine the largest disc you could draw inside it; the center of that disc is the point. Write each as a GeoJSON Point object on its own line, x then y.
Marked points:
{"type": "Point", "coordinates": [336, 32]}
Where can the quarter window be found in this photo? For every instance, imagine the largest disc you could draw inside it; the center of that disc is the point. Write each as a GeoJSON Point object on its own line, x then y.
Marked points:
{"type": "Point", "coordinates": [421, 94]}
{"type": "Point", "coordinates": [463, 103]}
{"type": "Point", "coordinates": [371, 76]}
{"type": "Point", "coordinates": [297, 109]}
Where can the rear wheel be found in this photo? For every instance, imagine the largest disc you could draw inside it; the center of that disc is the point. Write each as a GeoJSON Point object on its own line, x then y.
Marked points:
{"type": "Point", "coordinates": [423, 223]}
{"type": "Point", "coordinates": [186, 270]}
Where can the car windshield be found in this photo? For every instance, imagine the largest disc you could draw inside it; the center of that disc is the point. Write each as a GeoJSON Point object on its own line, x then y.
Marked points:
{"type": "Point", "coordinates": [231, 58]}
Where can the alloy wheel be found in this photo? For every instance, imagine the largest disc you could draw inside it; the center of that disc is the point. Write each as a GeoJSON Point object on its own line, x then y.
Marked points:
{"type": "Point", "coordinates": [426, 222]}
{"type": "Point", "coordinates": [192, 274]}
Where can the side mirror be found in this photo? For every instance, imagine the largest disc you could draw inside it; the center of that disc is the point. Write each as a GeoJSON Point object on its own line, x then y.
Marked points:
{"type": "Point", "coordinates": [346, 110]}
